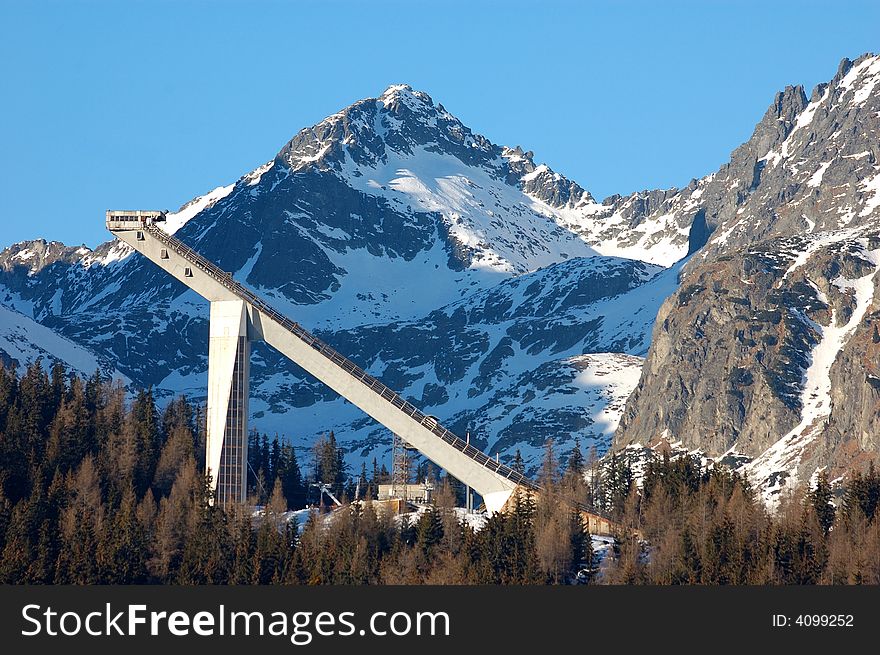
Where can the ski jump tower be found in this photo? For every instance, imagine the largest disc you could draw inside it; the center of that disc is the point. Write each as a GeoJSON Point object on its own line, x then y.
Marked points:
{"type": "Point", "coordinates": [239, 317]}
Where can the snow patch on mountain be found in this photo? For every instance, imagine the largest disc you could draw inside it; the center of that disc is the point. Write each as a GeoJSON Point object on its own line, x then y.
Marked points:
{"type": "Point", "coordinates": [861, 79]}
{"type": "Point", "coordinates": [872, 186]}
{"type": "Point", "coordinates": [176, 220]}
{"type": "Point", "coordinates": [495, 221]}
{"type": "Point", "coordinates": [610, 378]}
{"type": "Point", "coordinates": [781, 460]}
{"type": "Point", "coordinates": [23, 340]}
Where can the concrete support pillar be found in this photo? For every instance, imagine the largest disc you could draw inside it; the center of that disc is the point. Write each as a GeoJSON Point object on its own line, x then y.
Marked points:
{"type": "Point", "coordinates": [228, 393]}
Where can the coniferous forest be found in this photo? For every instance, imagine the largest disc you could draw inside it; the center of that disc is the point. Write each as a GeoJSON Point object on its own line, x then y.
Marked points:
{"type": "Point", "coordinates": [100, 488]}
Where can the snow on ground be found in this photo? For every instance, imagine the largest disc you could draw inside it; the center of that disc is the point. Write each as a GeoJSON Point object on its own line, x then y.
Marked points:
{"type": "Point", "coordinates": [781, 460]}
{"type": "Point", "coordinates": [871, 185]}
{"type": "Point", "coordinates": [602, 548]}
{"type": "Point", "coordinates": [611, 378]}
{"type": "Point", "coordinates": [869, 70]}
{"type": "Point", "coordinates": [629, 318]}
{"type": "Point", "coordinates": [176, 220]}
{"type": "Point", "coordinates": [496, 221]}
{"type": "Point", "coordinates": [380, 290]}
{"type": "Point", "coordinates": [475, 520]}
{"type": "Point", "coordinates": [659, 240]}
{"type": "Point", "coordinates": [816, 179]}
{"type": "Point", "coordinates": [818, 241]}
{"type": "Point", "coordinates": [25, 340]}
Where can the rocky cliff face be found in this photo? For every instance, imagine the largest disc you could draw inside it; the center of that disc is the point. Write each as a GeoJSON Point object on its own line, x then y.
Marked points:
{"type": "Point", "coordinates": [765, 349]}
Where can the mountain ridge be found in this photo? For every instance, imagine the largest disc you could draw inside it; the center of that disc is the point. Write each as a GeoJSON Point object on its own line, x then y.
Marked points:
{"type": "Point", "coordinates": [778, 308]}
{"type": "Point", "coordinates": [391, 215]}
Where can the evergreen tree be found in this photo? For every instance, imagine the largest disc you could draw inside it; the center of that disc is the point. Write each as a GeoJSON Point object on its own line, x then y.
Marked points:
{"type": "Point", "coordinates": [579, 543]}
{"type": "Point", "coordinates": [518, 464]}
{"type": "Point", "coordinates": [362, 482]}
{"type": "Point", "coordinates": [207, 551]}
{"type": "Point", "coordinates": [35, 409]}
{"type": "Point", "coordinates": [820, 499]}
{"type": "Point", "coordinates": [291, 478]}
{"type": "Point", "coordinates": [122, 551]}
{"type": "Point", "coordinates": [146, 439]}
{"type": "Point", "coordinates": [242, 572]}
{"type": "Point", "coordinates": [429, 530]}
{"type": "Point", "coordinates": [274, 459]}
{"type": "Point", "coordinates": [576, 459]}
{"type": "Point", "coordinates": [254, 458]}
{"type": "Point", "coordinates": [329, 462]}
{"type": "Point", "coordinates": [862, 496]}
{"type": "Point", "coordinates": [549, 475]}
{"type": "Point", "coordinates": [5, 518]}
{"type": "Point", "coordinates": [265, 458]}
{"type": "Point", "coordinates": [59, 384]}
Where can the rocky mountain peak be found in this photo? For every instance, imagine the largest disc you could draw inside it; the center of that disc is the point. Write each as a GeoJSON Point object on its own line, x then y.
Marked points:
{"type": "Point", "coordinates": [859, 75]}
{"type": "Point", "coordinates": [403, 123]}
{"type": "Point", "coordinates": [367, 133]}
{"type": "Point", "coordinates": [397, 95]}
{"type": "Point", "coordinates": [33, 256]}
{"type": "Point", "coordinates": [780, 117]}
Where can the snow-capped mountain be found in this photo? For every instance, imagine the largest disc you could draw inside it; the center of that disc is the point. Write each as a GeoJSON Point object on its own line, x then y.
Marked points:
{"type": "Point", "coordinates": [503, 298]}
{"type": "Point", "coordinates": [23, 340]}
{"type": "Point", "coordinates": [460, 272]}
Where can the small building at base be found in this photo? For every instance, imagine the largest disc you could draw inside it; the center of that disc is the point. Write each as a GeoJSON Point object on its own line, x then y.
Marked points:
{"type": "Point", "coordinates": [417, 493]}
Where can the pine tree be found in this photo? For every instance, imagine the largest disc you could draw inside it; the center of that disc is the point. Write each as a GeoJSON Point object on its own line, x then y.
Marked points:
{"type": "Point", "coordinates": [406, 533]}
{"type": "Point", "coordinates": [254, 458]}
{"type": "Point", "coordinates": [291, 478]}
{"type": "Point", "coordinates": [274, 459]}
{"type": "Point", "coordinates": [59, 384]}
{"type": "Point", "coordinates": [270, 554]}
{"type": "Point", "coordinates": [429, 530]}
{"type": "Point", "coordinates": [146, 439]}
{"type": "Point", "coordinates": [35, 408]}
{"type": "Point", "coordinates": [862, 497]}
{"type": "Point", "coordinates": [579, 543]}
{"type": "Point", "coordinates": [242, 572]}
{"type": "Point", "coordinates": [5, 517]}
{"type": "Point", "coordinates": [265, 457]}
{"type": "Point", "coordinates": [549, 475]}
{"type": "Point", "coordinates": [820, 499]}
{"type": "Point", "coordinates": [362, 482]}
{"type": "Point", "coordinates": [329, 461]}
{"type": "Point", "coordinates": [518, 464]}
{"type": "Point", "coordinates": [175, 522]}
{"type": "Point", "coordinates": [576, 459]}
{"type": "Point", "coordinates": [8, 393]}
{"type": "Point", "coordinates": [207, 551]}
{"type": "Point", "coordinates": [179, 414]}
{"type": "Point", "coordinates": [122, 552]}
{"type": "Point", "coordinates": [178, 450]}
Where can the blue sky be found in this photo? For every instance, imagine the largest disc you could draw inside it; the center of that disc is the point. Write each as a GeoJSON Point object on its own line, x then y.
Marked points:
{"type": "Point", "coordinates": [148, 104]}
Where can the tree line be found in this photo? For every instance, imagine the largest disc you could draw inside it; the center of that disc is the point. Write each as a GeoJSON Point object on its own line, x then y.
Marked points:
{"type": "Point", "coordinates": [692, 525]}
{"type": "Point", "coordinates": [99, 488]}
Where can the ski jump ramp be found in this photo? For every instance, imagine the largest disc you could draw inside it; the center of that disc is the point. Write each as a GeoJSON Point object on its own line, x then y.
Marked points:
{"type": "Point", "coordinates": [239, 317]}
